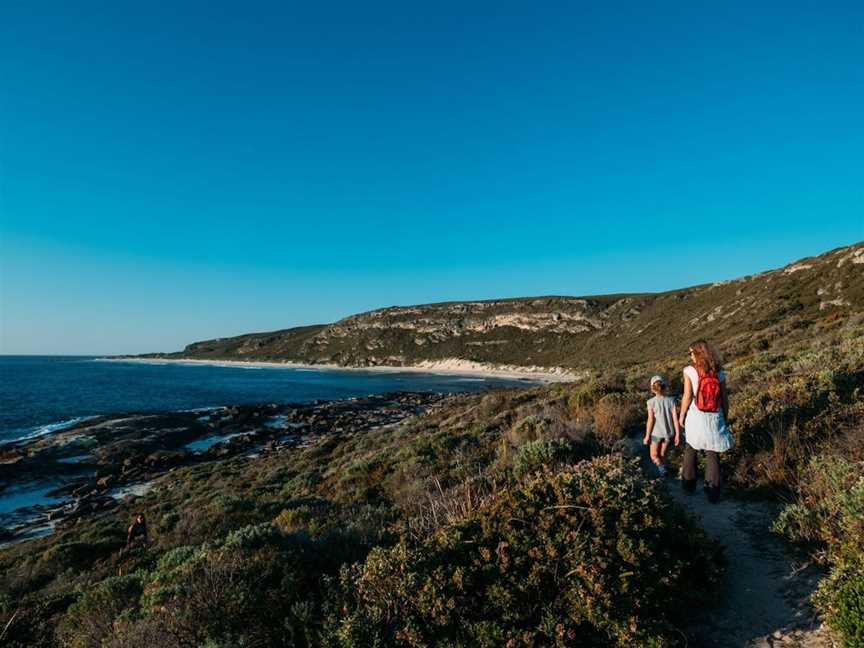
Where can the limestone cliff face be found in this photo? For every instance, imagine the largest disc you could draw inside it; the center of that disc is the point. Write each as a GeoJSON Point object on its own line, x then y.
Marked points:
{"type": "Point", "coordinates": [574, 332]}
{"type": "Point", "coordinates": [438, 322]}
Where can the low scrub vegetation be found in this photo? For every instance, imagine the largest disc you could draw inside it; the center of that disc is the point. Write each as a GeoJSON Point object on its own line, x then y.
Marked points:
{"type": "Point", "coordinates": [506, 518]}
{"type": "Point", "coordinates": [590, 556]}
{"type": "Point", "coordinates": [829, 517]}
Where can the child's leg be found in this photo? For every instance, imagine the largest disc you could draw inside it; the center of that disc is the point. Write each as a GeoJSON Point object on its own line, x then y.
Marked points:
{"type": "Point", "coordinates": [664, 446]}
{"type": "Point", "coordinates": [657, 456]}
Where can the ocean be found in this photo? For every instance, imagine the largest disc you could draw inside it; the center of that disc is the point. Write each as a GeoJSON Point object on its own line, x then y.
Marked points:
{"type": "Point", "coordinates": [40, 394]}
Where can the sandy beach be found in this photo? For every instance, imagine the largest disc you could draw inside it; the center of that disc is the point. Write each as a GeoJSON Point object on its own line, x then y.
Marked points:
{"type": "Point", "coordinates": [448, 366]}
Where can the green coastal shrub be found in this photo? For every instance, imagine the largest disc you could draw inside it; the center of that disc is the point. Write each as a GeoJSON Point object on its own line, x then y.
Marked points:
{"type": "Point", "coordinates": [225, 643]}
{"type": "Point", "coordinates": [829, 514]}
{"type": "Point", "coordinates": [228, 504]}
{"type": "Point", "coordinates": [91, 619]}
{"type": "Point", "coordinates": [492, 404]}
{"type": "Point", "coordinates": [779, 405]}
{"type": "Point", "coordinates": [592, 555]}
{"type": "Point", "coordinates": [583, 397]}
{"type": "Point", "coordinates": [786, 408]}
{"type": "Point", "coordinates": [840, 597]}
{"type": "Point", "coordinates": [301, 485]}
{"type": "Point", "coordinates": [31, 620]}
{"type": "Point", "coordinates": [168, 521]}
{"type": "Point", "coordinates": [830, 505]}
{"type": "Point", "coordinates": [614, 416]}
{"type": "Point", "coordinates": [76, 555]}
{"type": "Point", "coordinates": [174, 560]}
{"type": "Point", "coordinates": [542, 453]}
{"type": "Point", "coordinates": [245, 594]}
{"type": "Point", "coordinates": [159, 595]}
{"type": "Point", "coordinates": [530, 428]}
{"type": "Point", "coordinates": [253, 536]}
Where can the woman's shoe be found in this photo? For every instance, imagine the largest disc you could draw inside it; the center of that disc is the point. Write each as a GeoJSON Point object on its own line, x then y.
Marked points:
{"type": "Point", "coordinates": [713, 494]}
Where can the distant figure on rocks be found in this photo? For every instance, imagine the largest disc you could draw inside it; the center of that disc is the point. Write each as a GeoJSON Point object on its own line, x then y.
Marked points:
{"type": "Point", "coordinates": [662, 425]}
{"type": "Point", "coordinates": [704, 410]}
{"type": "Point", "coordinates": [138, 529]}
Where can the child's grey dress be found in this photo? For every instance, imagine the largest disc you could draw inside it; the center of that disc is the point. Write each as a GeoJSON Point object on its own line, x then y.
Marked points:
{"type": "Point", "coordinates": [664, 412]}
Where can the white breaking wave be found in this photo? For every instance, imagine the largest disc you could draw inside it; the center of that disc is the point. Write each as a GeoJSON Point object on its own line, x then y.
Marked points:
{"type": "Point", "coordinates": [50, 428]}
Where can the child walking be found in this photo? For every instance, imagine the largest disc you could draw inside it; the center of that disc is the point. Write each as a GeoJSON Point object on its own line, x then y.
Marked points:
{"type": "Point", "coordinates": [662, 423]}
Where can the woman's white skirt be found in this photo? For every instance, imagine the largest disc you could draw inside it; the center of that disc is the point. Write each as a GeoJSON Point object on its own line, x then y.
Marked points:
{"type": "Point", "coordinates": [707, 430]}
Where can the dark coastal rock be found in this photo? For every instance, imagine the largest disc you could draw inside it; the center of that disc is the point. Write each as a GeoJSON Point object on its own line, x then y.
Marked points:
{"type": "Point", "coordinates": [107, 469]}
{"type": "Point", "coordinates": [94, 462]}
{"type": "Point", "coordinates": [167, 458]}
{"type": "Point", "coordinates": [31, 469]}
{"type": "Point", "coordinates": [10, 456]}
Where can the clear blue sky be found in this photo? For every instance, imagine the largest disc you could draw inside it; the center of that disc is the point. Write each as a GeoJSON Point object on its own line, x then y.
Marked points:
{"type": "Point", "coordinates": [174, 173]}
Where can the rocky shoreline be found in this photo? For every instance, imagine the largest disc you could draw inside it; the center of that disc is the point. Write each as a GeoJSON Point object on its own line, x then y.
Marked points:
{"type": "Point", "coordinates": [91, 466]}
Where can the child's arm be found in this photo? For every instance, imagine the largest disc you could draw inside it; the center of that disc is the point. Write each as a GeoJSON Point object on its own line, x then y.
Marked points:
{"type": "Point", "coordinates": [649, 426]}
{"type": "Point", "coordinates": [677, 424]}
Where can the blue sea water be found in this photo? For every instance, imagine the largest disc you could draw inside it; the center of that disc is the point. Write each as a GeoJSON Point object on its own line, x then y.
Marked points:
{"type": "Point", "coordinates": [39, 394]}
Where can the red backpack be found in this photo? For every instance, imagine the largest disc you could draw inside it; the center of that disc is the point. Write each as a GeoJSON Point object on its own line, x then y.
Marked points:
{"type": "Point", "coordinates": [708, 393]}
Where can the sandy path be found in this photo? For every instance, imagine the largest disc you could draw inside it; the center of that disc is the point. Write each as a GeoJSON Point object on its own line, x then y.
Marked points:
{"type": "Point", "coordinates": [765, 601]}
{"type": "Point", "coordinates": [766, 592]}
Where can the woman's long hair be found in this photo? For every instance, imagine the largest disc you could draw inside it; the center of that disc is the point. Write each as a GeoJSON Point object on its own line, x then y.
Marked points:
{"type": "Point", "coordinates": [705, 358]}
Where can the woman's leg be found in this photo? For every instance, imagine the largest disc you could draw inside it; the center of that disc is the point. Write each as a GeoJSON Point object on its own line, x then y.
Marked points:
{"type": "Point", "coordinates": [688, 471]}
{"type": "Point", "coordinates": [713, 478]}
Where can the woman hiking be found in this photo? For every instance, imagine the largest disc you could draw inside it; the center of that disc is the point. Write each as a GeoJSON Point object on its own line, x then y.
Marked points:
{"type": "Point", "coordinates": [704, 409]}
{"type": "Point", "coordinates": [138, 529]}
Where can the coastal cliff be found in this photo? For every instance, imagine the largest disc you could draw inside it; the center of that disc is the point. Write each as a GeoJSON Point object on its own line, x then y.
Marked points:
{"type": "Point", "coordinates": [569, 332]}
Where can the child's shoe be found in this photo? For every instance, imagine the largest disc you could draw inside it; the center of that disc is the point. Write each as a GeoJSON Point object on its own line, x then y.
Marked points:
{"type": "Point", "coordinates": [661, 469]}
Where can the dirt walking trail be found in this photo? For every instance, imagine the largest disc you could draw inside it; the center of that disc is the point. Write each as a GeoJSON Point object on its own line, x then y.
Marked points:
{"type": "Point", "coordinates": [766, 596]}
{"type": "Point", "coordinates": [765, 600]}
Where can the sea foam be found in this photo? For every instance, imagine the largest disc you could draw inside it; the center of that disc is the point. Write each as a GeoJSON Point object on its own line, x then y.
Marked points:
{"type": "Point", "coordinates": [49, 428]}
